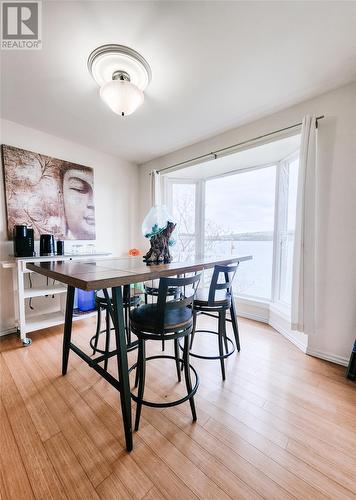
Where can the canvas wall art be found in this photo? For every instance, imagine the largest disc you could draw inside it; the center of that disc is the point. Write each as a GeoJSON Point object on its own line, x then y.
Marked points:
{"type": "Point", "coordinates": [52, 196]}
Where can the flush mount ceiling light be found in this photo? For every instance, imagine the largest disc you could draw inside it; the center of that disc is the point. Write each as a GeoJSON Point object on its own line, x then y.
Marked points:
{"type": "Point", "coordinates": [122, 74]}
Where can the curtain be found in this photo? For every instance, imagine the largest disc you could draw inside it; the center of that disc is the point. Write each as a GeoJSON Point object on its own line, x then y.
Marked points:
{"type": "Point", "coordinates": [157, 216]}
{"type": "Point", "coordinates": [155, 188]}
{"type": "Point", "coordinates": [303, 285]}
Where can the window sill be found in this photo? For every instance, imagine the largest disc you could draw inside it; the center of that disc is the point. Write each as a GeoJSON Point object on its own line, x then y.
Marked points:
{"type": "Point", "coordinates": [276, 307]}
{"type": "Point", "coordinates": [251, 308]}
{"type": "Point", "coordinates": [244, 299]}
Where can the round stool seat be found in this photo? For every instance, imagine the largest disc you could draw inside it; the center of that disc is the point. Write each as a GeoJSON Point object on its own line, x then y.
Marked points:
{"type": "Point", "coordinates": [222, 299]}
{"type": "Point", "coordinates": [145, 319]}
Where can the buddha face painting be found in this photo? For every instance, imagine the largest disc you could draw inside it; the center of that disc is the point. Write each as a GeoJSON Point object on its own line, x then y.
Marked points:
{"type": "Point", "coordinates": [78, 199]}
{"type": "Point", "coordinates": [50, 195]}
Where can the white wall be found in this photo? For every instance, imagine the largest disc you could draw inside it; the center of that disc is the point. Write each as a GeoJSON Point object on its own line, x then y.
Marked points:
{"type": "Point", "coordinates": [115, 192]}
{"type": "Point", "coordinates": [335, 327]}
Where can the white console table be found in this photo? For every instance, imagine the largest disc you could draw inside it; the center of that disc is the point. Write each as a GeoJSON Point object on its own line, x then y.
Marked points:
{"type": "Point", "coordinates": [24, 290]}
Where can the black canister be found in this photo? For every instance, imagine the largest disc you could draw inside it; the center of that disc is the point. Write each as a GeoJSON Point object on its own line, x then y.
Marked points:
{"type": "Point", "coordinates": [23, 241]}
{"type": "Point", "coordinates": [60, 247]}
{"type": "Point", "coordinates": [47, 245]}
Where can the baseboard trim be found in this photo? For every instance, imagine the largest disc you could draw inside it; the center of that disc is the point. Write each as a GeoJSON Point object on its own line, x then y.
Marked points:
{"type": "Point", "coordinates": [292, 337]}
{"type": "Point", "coordinates": [254, 317]}
{"type": "Point", "coordinates": [333, 358]}
{"type": "Point", "coordinates": [8, 331]}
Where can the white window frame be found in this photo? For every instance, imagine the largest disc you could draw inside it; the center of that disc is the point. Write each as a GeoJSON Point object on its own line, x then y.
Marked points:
{"type": "Point", "coordinates": [199, 202]}
{"type": "Point", "coordinates": [281, 221]}
{"type": "Point", "coordinates": [281, 208]}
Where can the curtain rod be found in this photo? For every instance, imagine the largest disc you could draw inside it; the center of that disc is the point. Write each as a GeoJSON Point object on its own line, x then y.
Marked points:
{"type": "Point", "coordinates": [216, 152]}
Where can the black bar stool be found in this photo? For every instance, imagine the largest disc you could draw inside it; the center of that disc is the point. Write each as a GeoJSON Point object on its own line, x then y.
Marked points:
{"type": "Point", "coordinates": [218, 299]}
{"type": "Point", "coordinates": [151, 288]}
{"type": "Point", "coordinates": [166, 320]}
{"type": "Point", "coordinates": [101, 305]}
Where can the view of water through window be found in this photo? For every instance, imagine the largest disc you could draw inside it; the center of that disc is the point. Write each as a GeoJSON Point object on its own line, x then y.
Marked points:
{"type": "Point", "coordinates": [239, 220]}
{"type": "Point", "coordinates": [237, 214]}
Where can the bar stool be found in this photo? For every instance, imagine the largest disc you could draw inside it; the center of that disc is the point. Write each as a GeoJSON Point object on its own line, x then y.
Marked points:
{"type": "Point", "coordinates": [218, 299]}
{"type": "Point", "coordinates": [101, 304]}
{"type": "Point", "coordinates": [151, 288]}
{"type": "Point", "coordinates": [165, 320]}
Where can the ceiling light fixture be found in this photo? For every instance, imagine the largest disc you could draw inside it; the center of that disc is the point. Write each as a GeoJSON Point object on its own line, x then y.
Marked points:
{"type": "Point", "coordinates": [122, 74]}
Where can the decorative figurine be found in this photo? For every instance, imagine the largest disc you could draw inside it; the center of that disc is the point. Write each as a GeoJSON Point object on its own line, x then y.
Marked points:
{"type": "Point", "coordinates": [160, 240]}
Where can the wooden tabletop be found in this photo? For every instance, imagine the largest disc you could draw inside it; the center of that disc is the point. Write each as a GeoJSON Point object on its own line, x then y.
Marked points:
{"type": "Point", "coordinates": [106, 273]}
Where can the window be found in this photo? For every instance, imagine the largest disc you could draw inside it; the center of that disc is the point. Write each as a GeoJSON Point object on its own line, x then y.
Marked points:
{"type": "Point", "coordinates": [250, 211]}
{"type": "Point", "coordinates": [239, 220]}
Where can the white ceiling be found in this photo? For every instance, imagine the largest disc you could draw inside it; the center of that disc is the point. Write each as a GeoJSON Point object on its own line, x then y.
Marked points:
{"type": "Point", "coordinates": [215, 65]}
{"type": "Point", "coordinates": [249, 158]}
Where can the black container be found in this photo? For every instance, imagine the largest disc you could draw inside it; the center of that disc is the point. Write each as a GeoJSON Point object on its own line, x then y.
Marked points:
{"type": "Point", "coordinates": [47, 245]}
{"type": "Point", "coordinates": [351, 369]}
{"type": "Point", "coordinates": [60, 247]}
{"type": "Point", "coordinates": [23, 241]}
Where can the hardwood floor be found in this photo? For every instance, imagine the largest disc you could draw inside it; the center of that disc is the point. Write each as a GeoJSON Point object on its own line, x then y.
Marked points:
{"type": "Point", "coordinates": [282, 425]}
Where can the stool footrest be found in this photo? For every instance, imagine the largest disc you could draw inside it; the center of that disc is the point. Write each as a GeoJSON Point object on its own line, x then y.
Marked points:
{"type": "Point", "coordinates": [200, 356]}
{"type": "Point", "coordinates": [129, 347]}
{"type": "Point", "coordinates": [170, 403]}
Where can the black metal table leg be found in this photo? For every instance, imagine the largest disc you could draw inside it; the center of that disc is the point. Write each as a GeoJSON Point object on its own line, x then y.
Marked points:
{"type": "Point", "coordinates": [67, 328]}
{"type": "Point", "coordinates": [122, 364]}
{"type": "Point", "coordinates": [107, 338]}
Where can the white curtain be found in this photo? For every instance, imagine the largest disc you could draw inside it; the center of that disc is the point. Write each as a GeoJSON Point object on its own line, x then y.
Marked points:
{"type": "Point", "coordinates": [155, 188]}
{"type": "Point", "coordinates": [157, 216]}
{"type": "Point", "coordinates": [303, 287]}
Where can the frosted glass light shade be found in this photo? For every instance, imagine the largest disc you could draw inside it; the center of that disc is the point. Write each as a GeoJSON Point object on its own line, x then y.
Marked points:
{"type": "Point", "coordinates": [122, 97]}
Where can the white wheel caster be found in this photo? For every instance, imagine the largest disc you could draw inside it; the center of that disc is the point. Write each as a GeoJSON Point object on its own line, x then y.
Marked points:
{"type": "Point", "coordinates": [26, 342]}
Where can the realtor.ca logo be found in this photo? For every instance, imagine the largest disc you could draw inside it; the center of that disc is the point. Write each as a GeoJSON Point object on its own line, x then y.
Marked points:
{"type": "Point", "coordinates": [21, 25]}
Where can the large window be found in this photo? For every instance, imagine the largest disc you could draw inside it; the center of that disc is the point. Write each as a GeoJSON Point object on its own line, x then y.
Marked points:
{"type": "Point", "coordinates": [250, 211]}
{"type": "Point", "coordinates": [239, 220]}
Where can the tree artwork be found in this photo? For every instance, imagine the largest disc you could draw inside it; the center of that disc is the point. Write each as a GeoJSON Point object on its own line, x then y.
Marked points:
{"type": "Point", "coordinates": [50, 195]}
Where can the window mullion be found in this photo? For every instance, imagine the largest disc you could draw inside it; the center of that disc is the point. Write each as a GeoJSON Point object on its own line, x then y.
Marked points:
{"type": "Point", "coordinates": [281, 227]}
{"type": "Point", "coordinates": [200, 217]}
{"type": "Point", "coordinates": [276, 241]}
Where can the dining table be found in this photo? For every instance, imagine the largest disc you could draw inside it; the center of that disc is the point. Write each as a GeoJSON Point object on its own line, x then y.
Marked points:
{"type": "Point", "coordinates": [115, 274]}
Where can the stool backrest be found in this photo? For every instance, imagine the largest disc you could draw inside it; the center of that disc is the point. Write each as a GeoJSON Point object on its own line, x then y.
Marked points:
{"type": "Point", "coordinates": [188, 288]}
{"type": "Point", "coordinates": [227, 273]}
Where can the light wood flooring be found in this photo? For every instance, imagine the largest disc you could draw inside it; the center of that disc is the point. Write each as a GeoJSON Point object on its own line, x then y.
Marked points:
{"type": "Point", "coordinates": [282, 426]}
